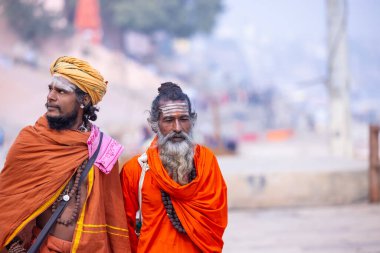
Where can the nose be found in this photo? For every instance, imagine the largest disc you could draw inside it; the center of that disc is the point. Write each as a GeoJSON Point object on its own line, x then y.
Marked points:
{"type": "Point", "coordinates": [177, 126]}
{"type": "Point", "coordinates": [51, 96]}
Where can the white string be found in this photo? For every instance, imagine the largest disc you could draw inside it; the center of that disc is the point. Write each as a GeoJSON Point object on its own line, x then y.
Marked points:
{"type": "Point", "coordinates": [143, 161]}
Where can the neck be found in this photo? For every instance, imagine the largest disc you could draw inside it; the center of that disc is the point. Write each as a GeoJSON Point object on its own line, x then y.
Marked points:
{"type": "Point", "coordinates": [84, 127]}
{"type": "Point", "coordinates": [79, 123]}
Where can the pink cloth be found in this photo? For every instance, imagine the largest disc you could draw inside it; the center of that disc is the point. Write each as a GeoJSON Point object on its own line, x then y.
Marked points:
{"type": "Point", "coordinates": [109, 151]}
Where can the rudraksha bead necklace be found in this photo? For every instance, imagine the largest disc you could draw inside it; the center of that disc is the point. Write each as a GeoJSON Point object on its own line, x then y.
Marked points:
{"type": "Point", "coordinates": [68, 194]}
{"type": "Point", "coordinates": [170, 209]}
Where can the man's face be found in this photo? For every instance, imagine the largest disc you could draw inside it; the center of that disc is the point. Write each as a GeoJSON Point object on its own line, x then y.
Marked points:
{"type": "Point", "coordinates": [62, 105]}
{"type": "Point", "coordinates": [174, 119]}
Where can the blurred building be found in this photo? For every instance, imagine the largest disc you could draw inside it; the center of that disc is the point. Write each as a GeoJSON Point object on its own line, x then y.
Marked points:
{"type": "Point", "coordinates": [87, 21]}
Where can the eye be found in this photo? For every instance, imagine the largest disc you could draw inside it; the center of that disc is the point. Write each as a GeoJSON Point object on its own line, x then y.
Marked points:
{"type": "Point", "coordinates": [61, 91]}
{"type": "Point", "coordinates": [185, 118]}
{"type": "Point", "coordinates": [168, 119]}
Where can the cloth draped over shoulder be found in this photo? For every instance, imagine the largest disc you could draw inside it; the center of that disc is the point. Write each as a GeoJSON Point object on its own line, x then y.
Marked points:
{"type": "Point", "coordinates": [200, 205]}
{"type": "Point", "coordinates": [81, 74]}
{"type": "Point", "coordinates": [109, 152]}
{"type": "Point", "coordinates": [38, 166]}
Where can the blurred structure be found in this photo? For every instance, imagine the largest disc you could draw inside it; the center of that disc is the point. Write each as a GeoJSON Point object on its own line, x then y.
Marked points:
{"type": "Point", "coordinates": [88, 21]}
{"type": "Point", "coordinates": [338, 79]}
{"type": "Point", "coordinates": [374, 164]}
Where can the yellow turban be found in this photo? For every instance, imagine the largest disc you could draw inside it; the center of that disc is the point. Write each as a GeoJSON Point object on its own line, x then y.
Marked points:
{"type": "Point", "coordinates": [81, 74]}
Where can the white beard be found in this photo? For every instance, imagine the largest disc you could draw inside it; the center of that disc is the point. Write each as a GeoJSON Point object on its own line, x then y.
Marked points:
{"type": "Point", "coordinates": [177, 157]}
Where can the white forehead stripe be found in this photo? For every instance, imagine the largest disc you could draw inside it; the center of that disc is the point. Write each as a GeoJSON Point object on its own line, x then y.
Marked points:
{"type": "Point", "coordinates": [180, 107]}
{"type": "Point", "coordinates": [61, 85]}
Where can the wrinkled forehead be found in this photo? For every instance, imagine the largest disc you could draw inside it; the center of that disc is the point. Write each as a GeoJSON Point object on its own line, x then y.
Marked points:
{"type": "Point", "coordinates": [171, 108]}
{"type": "Point", "coordinates": [62, 83]}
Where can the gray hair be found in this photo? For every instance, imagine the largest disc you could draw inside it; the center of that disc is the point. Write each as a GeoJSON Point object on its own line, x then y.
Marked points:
{"type": "Point", "coordinates": [166, 92]}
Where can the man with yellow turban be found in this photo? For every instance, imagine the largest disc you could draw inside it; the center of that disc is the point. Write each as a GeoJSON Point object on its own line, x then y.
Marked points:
{"type": "Point", "coordinates": [64, 159]}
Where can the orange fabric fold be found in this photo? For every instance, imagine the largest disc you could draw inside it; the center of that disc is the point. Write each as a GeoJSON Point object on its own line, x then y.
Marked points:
{"type": "Point", "coordinates": [52, 244]}
{"type": "Point", "coordinates": [39, 163]}
{"type": "Point", "coordinates": [200, 205]}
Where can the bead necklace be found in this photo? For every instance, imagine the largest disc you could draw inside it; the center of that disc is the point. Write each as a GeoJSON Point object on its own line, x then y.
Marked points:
{"type": "Point", "coordinates": [170, 209]}
{"type": "Point", "coordinates": [68, 194]}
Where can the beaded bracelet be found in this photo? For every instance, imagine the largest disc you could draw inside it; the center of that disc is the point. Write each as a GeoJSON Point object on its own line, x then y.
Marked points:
{"type": "Point", "coordinates": [15, 245]}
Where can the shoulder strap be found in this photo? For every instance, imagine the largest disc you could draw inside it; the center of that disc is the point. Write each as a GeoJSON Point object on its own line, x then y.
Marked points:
{"type": "Point", "coordinates": [143, 161]}
{"type": "Point", "coordinates": [41, 237]}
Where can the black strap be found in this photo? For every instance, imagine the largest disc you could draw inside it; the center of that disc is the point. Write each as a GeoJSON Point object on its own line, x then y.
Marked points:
{"type": "Point", "coordinates": [41, 237]}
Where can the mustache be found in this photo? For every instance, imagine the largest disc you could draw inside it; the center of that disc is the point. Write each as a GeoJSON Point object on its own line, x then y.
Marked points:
{"type": "Point", "coordinates": [171, 135]}
{"type": "Point", "coordinates": [50, 105]}
{"type": "Point", "coordinates": [183, 135]}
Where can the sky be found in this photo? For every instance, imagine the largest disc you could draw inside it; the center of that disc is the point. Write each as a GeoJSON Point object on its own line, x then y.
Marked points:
{"type": "Point", "coordinates": [292, 19]}
{"type": "Point", "coordinates": [271, 19]}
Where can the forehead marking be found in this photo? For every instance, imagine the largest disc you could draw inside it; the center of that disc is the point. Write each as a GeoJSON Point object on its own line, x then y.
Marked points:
{"type": "Point", "coordinates": [66, 86]}
{"type": "Point", "coordinates": [172, 108]}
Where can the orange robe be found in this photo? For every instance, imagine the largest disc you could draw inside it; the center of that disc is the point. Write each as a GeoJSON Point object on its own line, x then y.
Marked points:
{"type": "Point", "coordinates": [200, 205]}
{"type": "Point", "coordinates": [38, 166]}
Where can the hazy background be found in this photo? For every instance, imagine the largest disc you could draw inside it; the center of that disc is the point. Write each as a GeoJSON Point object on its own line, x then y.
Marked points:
{"type": "Point", "coordinates": [286, 110]}
{"type": "Point", "coordinates": [251, 67]}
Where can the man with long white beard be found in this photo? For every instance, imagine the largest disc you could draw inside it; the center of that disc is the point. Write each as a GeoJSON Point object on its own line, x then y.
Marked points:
{"type": "Point", "coordinates": [175, 195]}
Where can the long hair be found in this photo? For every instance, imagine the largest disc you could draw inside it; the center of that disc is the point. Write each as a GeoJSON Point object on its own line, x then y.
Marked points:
{"type": "Point", "coordinates": [89, 111]}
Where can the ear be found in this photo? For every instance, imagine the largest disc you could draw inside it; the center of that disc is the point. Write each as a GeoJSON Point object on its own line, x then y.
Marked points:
{"type": "Point", "coordinates": [86, 100]}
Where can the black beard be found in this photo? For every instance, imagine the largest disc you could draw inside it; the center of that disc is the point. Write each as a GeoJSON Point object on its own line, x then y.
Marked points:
{"type": "Point", "coordinates": [63, 122]}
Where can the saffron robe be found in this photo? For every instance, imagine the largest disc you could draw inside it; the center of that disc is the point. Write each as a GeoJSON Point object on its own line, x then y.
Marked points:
{"type": "Point", "coordinates": [201, 205]}
{"type": "Point", "coordinates": [38, 166]}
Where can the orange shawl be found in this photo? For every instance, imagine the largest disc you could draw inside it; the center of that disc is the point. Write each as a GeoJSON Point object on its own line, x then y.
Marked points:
{"type": "Point", "coordinates": [200, 205]}
{"type": "Point", "coordinates": [38, 166]}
